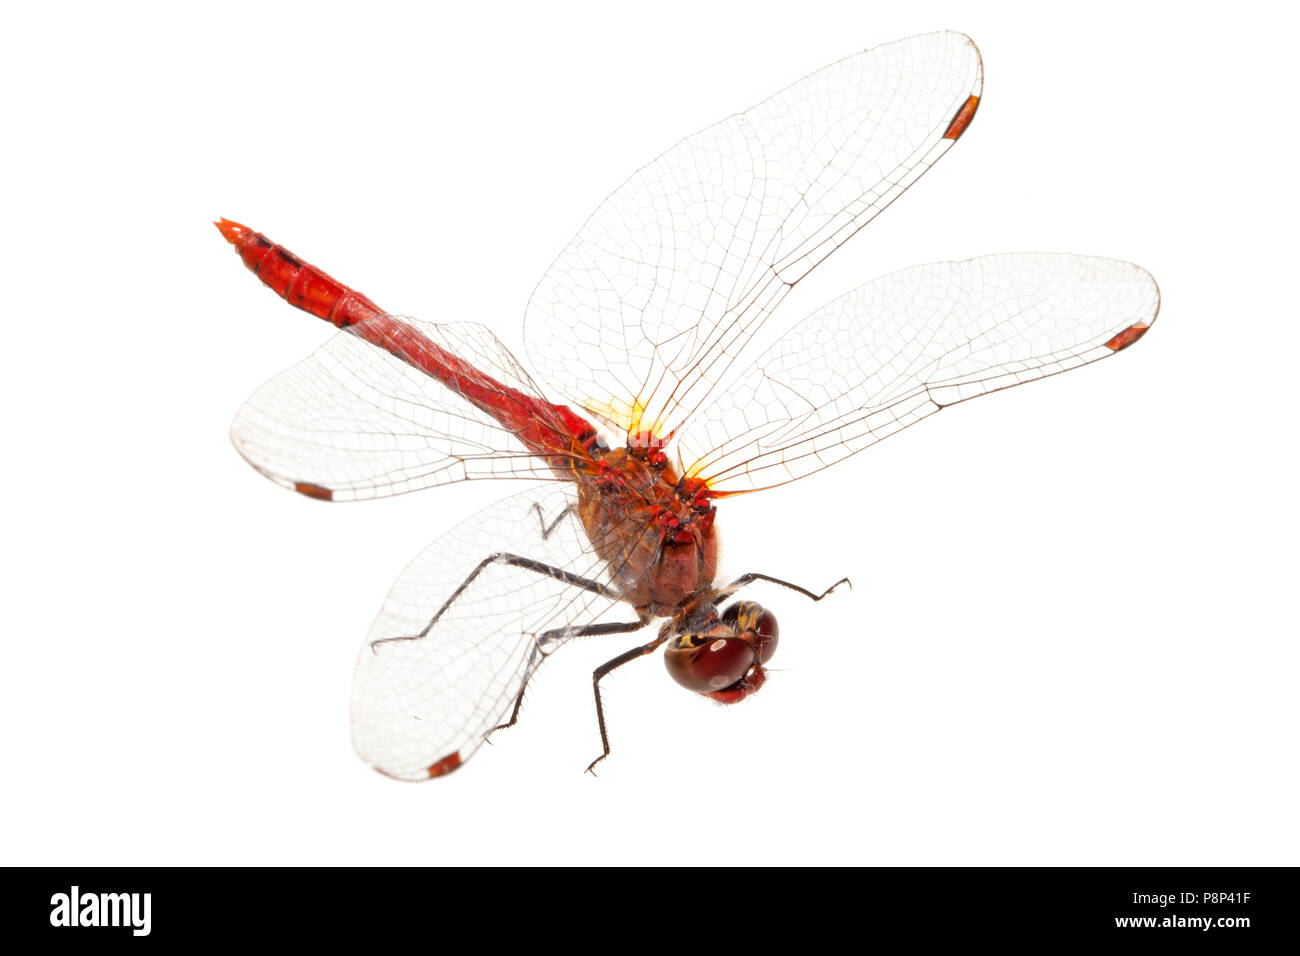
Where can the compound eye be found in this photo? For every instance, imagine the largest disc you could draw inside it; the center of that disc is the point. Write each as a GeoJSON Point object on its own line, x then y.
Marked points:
{"type": "Point", "coordinates": [768, 632]}
{"type": "Point", "coordinates": [707, 665]}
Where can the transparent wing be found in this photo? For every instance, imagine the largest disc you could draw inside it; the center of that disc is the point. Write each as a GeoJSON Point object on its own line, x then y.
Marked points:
{"type": "Point", "coordinates": [902, 347]}
{"type": "Point", "coordinates": [421, 707]}
{"type": "Point", "coordinates": [640, 316]}
{"type": "Point", "coordinates": [352, 421]}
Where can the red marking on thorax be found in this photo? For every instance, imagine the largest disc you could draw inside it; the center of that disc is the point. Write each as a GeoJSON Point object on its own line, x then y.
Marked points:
{"type": "Point", "coordinates": [1127, 337]}
{"type": "Point", "coordinates": [551, 431]}
{"type": "Point", "coordinates": [658, 540]}
{"type": "Point", "coordinates": [962, 118]}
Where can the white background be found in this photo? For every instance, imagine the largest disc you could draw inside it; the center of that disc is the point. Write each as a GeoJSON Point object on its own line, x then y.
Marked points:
{"type": "Point", "coordinates": [1072, 637]}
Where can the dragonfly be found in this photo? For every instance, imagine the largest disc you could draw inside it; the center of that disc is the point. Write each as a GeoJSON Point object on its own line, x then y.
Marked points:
{"type": "Point", "coordinates": [657, 403]}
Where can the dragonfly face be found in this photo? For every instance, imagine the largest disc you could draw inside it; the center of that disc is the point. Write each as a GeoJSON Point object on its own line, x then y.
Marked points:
{"type": "Point", "coordinates": [722, 655]}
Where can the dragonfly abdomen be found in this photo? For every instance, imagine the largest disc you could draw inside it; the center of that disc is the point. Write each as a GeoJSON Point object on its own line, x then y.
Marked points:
{"type": "Point", "coordinates": [302, 285]}
{"type": "Point", "coordinates": [554, 432]}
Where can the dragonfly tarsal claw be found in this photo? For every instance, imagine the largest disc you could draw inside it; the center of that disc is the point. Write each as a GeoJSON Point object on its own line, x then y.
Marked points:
{"type": "Point", "coordinates": [835, 585]}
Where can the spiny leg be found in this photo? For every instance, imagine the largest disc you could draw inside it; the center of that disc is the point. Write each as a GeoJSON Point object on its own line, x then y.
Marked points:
{"type": "Point", "coordinates": [513, 560]}
{"type": "Point", "coordinates": [745, 579]}
{"type": "Point", "coordinates": [569, 509]}
{"type": "Point", "coordinates": [590, 630]}
{"type": "Point", "coordinates": [604, 669]}
{"type": "Point", "coordinates": [519, 700]}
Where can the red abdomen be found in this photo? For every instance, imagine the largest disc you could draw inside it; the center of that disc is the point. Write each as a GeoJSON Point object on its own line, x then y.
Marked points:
{"type": "Point", "coordinates": [301, 285]}
{"type": "Point", "coordinates": [554, 432]}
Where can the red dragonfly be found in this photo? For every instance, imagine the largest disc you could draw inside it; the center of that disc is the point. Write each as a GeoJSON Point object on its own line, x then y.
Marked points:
{"type": "Point", "coordinates": [637, 328]}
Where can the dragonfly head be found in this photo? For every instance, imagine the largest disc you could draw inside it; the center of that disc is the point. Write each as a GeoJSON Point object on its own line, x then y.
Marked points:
{"type": "Point", "coordinates": [723, 656]}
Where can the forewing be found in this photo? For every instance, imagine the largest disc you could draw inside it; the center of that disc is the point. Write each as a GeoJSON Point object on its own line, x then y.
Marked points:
{"type": "Point", "coordinates": [421, 707]}
{"type": "Point", "coordinates": [900, 348]}
{"type": "Point", "coordinates": [352, 421]}
{"type": "Point", "coordinates": [640, 316]}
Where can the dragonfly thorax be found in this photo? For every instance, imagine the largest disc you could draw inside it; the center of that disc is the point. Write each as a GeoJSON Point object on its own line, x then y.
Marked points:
{"type": "Point", "coordinates": [653, 529]}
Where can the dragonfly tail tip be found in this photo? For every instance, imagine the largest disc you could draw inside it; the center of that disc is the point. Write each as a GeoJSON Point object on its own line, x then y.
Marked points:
{"type": "Point", "coordinates": [232, 231]}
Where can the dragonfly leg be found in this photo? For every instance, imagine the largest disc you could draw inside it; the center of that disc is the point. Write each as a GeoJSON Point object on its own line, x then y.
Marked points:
{"type": "Point", "coordinates": [745, 579]}
{"type": "Point", "coordinates": [591, 630]}
{"type": "Point", "coordinates": [604, 669]}
{"type": "Point", "coordinates": [513, 560]}
{"type": "Point", "coordinates": [541, 518]}
{"type": "Point", "coordinates": [519, 698]}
